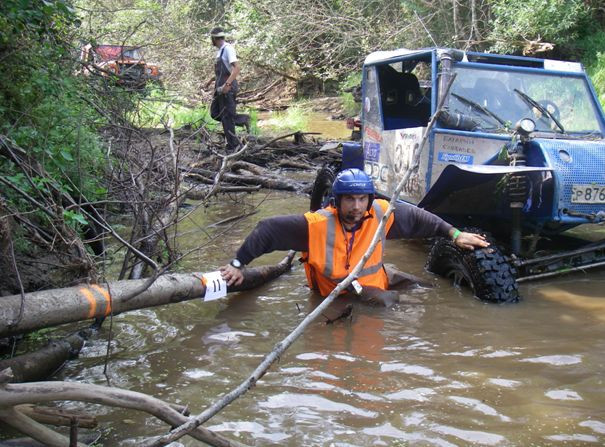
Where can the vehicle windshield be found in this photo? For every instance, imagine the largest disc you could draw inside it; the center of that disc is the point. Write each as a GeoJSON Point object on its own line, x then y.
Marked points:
{"type": "Point", "coordinates": [132, 53]}
{"type": "Point", "coordinates": [115, 52]}
{"type": "Point", "coordinates": [564, 104]}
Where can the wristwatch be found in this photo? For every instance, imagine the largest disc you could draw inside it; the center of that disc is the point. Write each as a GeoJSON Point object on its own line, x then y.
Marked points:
{"type": "Point", "coordinates": [236, 263]}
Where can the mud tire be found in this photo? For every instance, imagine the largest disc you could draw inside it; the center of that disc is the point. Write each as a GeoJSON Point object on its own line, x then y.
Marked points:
{"type": "Point", "coordinates": [322, 187]}
{"type": "Point", "coordinates": [485, 271]}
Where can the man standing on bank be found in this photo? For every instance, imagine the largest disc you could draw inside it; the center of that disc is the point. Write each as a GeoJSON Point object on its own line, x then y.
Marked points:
{"type": "Point", "coordinates": [335, 238]}
{"type": "Point", "coordinates": [226, 69]}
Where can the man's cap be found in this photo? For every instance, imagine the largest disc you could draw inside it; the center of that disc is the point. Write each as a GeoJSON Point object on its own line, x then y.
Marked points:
{"type": "Point", "coordinates": [217, 32]}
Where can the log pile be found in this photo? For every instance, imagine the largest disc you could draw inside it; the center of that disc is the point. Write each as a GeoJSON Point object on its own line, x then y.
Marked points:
{"type": "Point", "coordinates": [262, 164]}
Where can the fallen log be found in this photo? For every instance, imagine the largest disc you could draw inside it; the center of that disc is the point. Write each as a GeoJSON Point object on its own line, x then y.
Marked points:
{"type": "Point", "coordinates": [265, 182]}
{"type": "Point", "coordinates": [35, 430]}
{"type": "Point", "coordinates": [199, 178]}
{"type": "Point", "coordinates": [58, 306]}
{"type": "Point", "coordinates": [294, 164]}
{"type": "Point", "coordinates": [12, 395]}
{"type": "Point", "coordinates": [250, 167]}
{"type": "Point", "coordinates": [87, 439]}
{"type": "Point", "coordinates": [256, 180]}
{"type": "Point", "coordinates": [199, 194]}
{"type": "Point", "coordinates": [57, 416]}
{"type": "Point", "coordinates": [45, 361]}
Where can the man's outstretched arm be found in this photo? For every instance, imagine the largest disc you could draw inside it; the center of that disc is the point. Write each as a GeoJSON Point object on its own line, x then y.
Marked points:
{"type": "Point", "coordinates": [275, 233]}
{"type": "Point", "coordinates": [413, 222]}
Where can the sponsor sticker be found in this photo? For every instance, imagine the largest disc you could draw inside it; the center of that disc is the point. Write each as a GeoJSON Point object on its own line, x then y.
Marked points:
{"type": "Point", "coordinates": [448, 157]}
{"type": "Point", "coordinates": [372, 134]}
{"type": "Point", "coordinates": [371, 151]}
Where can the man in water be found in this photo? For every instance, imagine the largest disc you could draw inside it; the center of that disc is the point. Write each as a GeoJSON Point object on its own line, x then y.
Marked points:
{"type": "Point", "coordinates": [335, 238]}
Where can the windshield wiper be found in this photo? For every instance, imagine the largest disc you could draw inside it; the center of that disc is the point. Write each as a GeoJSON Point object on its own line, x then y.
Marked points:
{"type": "Point", "coordinates": [480, 108]}
{"type": "Point", "coordinates": [532, 102]}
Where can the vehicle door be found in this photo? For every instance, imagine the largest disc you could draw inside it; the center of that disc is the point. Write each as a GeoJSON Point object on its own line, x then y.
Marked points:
{"type": "Point", "coordinates": [397, 103]}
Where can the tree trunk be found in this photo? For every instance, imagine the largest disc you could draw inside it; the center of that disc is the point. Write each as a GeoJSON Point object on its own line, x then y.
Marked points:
{"type": "Point", "coordinates": [58, 306]}
{"type": "Point", "coordinates": [44, 362]}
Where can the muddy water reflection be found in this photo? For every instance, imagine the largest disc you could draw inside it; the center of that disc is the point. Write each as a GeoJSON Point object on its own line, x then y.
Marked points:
{"type": "Point", "coordinates": [438, 369]}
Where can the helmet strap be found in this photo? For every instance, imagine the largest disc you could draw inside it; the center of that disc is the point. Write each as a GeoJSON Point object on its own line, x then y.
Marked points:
{"type": "Point", "coordinates": [370, 201]}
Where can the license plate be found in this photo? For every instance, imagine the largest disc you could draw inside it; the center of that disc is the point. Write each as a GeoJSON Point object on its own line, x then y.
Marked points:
{"type": "Point", "coordinates": [587, 194]}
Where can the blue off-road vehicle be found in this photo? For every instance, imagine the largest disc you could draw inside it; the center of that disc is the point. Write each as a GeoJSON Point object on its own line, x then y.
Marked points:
{"type": "Point", "coordinates": [517, 150]}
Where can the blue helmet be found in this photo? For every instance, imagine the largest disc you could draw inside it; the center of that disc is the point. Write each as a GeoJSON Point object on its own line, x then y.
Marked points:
{"type": "Point", "coordinates": [353, 181]}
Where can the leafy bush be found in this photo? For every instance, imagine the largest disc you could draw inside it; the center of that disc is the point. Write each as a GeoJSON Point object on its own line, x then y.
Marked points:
{"type": "Point", "coordinates": [597, 73]}
{"type": "Point", "coordinates": [351, 108]}
{"type": "Point", "coordinates": [593, 57]}
{"type": "Point", "coordinates": [518, 21]}
{"type": "Point", "coordinates": [159, 107]}
{"type": "Point", "coordinates": [45, 108]}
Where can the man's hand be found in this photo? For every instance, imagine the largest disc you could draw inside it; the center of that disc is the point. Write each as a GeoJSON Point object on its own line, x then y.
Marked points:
{"type": "Point", "coordinates": [470, 241]}
{"type": "Point", "coordinates": [225, 88]}
{"type": "Point", "coordinates": [233, 276]}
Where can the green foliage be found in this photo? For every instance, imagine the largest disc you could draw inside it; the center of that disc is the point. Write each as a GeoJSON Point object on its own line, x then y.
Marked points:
{"type": "Point", "coordinates": [351, 108]}
{"type": "Point", "coordinates": [34, 18]}
{"type": "Point", "coordinates": [518, 21]}
{"type": "Point", "coordinates": [323, 41]}
{"type": "Point", "coordinates": [593, 57]}
{"type": "Point", "coordinates": [596, 70]}
{"type": "Point", "coordinates": [74, 219]}
{"type": "Point", "coordinates": [253, 113]}
{"type": "Point", "coordinates": [319, 40]}
{"type": "Point", "coordinates": [161, 108]}
{"type": "Point", "coordinates": [294, 118]}
{"type": "Point", "coordinates": [171, 34]}
{"type": "Point", "coordinates": [45, 108]}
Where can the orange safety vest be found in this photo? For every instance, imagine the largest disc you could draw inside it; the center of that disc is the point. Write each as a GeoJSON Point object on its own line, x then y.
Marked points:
{"type": "Point", "coordinates": [326, 260]}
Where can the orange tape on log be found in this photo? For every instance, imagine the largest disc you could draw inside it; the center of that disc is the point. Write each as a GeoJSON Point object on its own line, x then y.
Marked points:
{"type": "Point", "coordinates": [107, 297]}
{"type": "Point", "coordinates": [91, 300]}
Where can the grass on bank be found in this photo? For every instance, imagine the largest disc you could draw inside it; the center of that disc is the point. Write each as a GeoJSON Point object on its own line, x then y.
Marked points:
{"type": "Point", "coordinates": [294, 118]}
{"type": "Point", "coordinates": [160, 107]}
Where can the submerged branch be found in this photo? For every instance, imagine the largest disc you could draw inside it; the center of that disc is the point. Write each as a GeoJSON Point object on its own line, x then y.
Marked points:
{"type": "Point", "coordinates": [21, 393]}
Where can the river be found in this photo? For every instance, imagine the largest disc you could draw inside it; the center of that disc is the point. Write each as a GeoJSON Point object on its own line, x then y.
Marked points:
{"type": "Point", "coordinates": [438, 369]}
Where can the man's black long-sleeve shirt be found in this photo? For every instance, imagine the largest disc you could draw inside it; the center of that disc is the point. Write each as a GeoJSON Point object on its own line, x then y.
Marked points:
{"type": "Point", "coordinates": [292, 232]}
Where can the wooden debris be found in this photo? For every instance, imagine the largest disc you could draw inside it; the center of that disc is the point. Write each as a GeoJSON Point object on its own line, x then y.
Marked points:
{"type": "Point", "coordinates": [58, 306]}
{"type": "Point", "coordinates": [57, 416]}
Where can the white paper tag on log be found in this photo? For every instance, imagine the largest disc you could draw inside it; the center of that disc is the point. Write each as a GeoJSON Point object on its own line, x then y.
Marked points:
{"type": "Point", "coordinates": [216, 287]}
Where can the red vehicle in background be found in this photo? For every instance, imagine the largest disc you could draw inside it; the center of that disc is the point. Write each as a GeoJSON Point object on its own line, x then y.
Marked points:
{"type": "Point", "coordinates": [355, 125]}
{"type": "Point", "coordinates": [124, 62]}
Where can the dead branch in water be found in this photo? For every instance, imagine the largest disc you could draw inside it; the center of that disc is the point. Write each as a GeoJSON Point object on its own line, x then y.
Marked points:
{"type": "Point", "coordinates": [224, 163]}
{"type": "Point", "coordinates": [12, 395]}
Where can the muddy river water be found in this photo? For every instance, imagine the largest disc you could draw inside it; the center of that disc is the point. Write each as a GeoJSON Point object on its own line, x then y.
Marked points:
{"type": "Point", "coordinates": [438, 369]}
